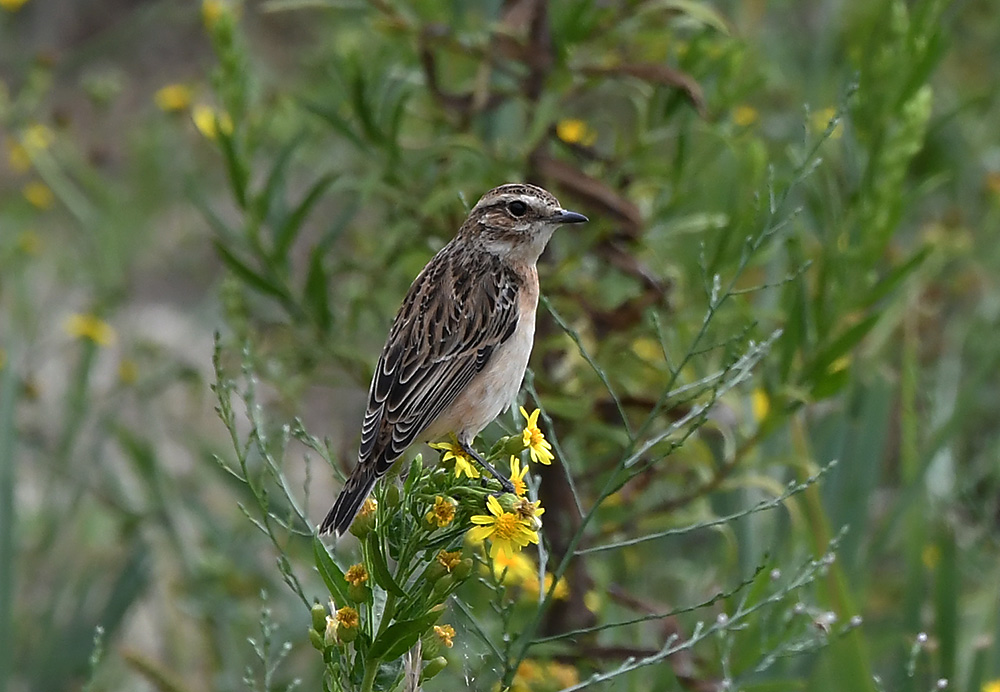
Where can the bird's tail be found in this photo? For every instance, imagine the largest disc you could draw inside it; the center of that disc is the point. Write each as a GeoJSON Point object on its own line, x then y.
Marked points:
{"type": "Point", "coordinates": [354, 492]}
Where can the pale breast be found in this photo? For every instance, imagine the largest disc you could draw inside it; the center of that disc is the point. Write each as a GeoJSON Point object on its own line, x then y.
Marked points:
{"type": "Point", "coordinates": [494, 389]}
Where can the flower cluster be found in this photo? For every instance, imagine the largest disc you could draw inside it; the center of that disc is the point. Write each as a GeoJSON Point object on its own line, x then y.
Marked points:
{"type": "Point", "coordinates": [420, 541]}
{"type": "Point", "coordinates": [513, 521]}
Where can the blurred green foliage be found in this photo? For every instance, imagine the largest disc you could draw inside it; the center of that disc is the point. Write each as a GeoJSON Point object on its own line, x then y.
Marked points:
{"type": "Point", "coordinates": [790, 262]}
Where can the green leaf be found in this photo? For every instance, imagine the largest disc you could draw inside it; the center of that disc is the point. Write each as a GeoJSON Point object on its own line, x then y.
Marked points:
{"type": "Point", "coordinates": [947, 587]}
{"type": "Point", "coordinates": [400, 637]}
{"type": "Point", "coordinates": [331, 574]}
{"type": "Point", "coordinates": [362, 107]}
{"type": "Point", "coordinates": [249, 276]}
{"type": "Point", "coordinates": [292, 225]}
{"type": "Point", "coordinates": [214, 220]}
{"type": "Point", "coordinates": [315, 295]}
{"type": "Point", "coordinates": [338, 123]}
{"type": "Point", "coordinates": [265, 201]}
{"type": "Point", "coordinates": [817, 370]}
{"type": "Point", "coordinates": [890, 281]}
{"type": "Point", "coordinates": [380, 568]}
{"type": "Point", "coordinates": [698, 11]}
{"type": "Point", "coordinates": [236, 169]}
{"type": "Point", "coordinates": [8, 519]}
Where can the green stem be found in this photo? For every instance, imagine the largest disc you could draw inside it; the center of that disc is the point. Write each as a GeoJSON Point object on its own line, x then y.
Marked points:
{"type": "Point", "coordinates": [371, 668]}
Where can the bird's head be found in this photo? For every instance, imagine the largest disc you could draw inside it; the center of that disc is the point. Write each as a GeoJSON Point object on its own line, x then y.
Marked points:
{"type": "Point", "coordinates": [516, 220]}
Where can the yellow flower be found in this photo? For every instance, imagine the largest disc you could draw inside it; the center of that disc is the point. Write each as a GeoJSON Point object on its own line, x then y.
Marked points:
{"type": "Point", "coordinates": [211, 122]}
{"type": "Point", "coordinates": [128, 371]}
{"type": "Point", "coordinates": [820, 120]}
{"type": "Point", "coordinates": [211, 10]}
{"type": "Point", "coordinates": [446, 633]}
{"type": "Point", "coordinates": [760, 404]}
{"type": "Point", "coordinates": [841, 363]}
{"type": "Point", "coordinates": [514, 569]}
{"type": "Point", "coordinates": [573, 131]}
{"type": "Point", "coordinates": [449, 560]}
{"type": "Point", "coordinates": [29, 243]}
{"type": "Point", "coordinates": [173, 98]}
{"type": "Point", "coordinates": [992, 686]}
{"type": "Point", "coordinates": [744, 115]}
{"type": "Point", "coordinates": [347, 617]}
{"type": "Point", "coordinates": [463, 463]}
{"type": "Point", "coordinates": [90, 327]}
{"type": "Point", "coordinates": [528, 673]}
{"type": "Point", "coordinates": [508, 533]}
{"type": "Point", "coordinates": [517, 473]}
{"type": "Point", "coordinates": [37, 137]}
{"type": "Point", "coordinates": [368, 507]}
{"type": "Point", "coordinates": [17, 156]}
{"type": "Point", "coordinates": [442, 513]}
{"type": "Point", "coordinates": [530, 586]}
{"type": "Point", "coordinates": [12, 5]}
{"type": "Point", "coordinates": [38, 194]}
{"type": "Point", "coordinates": [538, 447]}
{"type": "Point", "coordinates": [993, 185]}
{"type": "Point", "coordinates": [931, 556]}
{"type": "Point", "coordinates": [648, 349]}
{"type": "Point", "coordinates": [356, 574]}
{"type": "Point", "coordinates": [562, 674]}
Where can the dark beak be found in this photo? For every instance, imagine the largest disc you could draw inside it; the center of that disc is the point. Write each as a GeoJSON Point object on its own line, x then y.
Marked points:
{"type": "Point", "coordinates": [563, 216]}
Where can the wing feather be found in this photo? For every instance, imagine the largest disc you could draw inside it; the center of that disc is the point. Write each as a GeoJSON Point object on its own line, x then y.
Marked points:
{"type": "Point", "coordinates": [452, 320]}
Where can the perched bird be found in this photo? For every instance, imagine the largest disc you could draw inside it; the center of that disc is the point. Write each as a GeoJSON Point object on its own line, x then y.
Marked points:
{"type": "Point", "coordinates": [458, 348]}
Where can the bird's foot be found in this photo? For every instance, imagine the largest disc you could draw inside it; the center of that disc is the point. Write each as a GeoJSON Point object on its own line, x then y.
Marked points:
{"type": "Point", "coordinates": [505, 483]}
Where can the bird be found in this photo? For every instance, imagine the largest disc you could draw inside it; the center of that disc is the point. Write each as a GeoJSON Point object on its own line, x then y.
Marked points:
{"type": "Point", "coordinates": [458, 347]}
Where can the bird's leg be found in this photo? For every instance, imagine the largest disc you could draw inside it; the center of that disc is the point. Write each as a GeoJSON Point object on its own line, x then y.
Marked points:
{"type": "Point", "coordinates": [505, 483]}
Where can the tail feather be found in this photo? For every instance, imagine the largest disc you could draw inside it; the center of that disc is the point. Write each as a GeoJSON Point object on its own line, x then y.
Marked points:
{"type": "Point", "coordinates": [354, 492]}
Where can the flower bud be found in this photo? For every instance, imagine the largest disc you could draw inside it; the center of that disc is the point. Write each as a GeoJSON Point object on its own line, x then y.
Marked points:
{"type": "Point", "coordinates": [392, 495]}
{"type": "Point", "coordinates": [433, 667]}
{"type": "Point", "coordinates": [430, 645]}
{"type": "Point", "coordinates": [318, 614]}
{"type": "Point", "coordinates": [316, 639]}
{"type": "Point", "coordinates": [442, 585]}
{"type": "Point", "coordinates": [362, 525]}
{"type": "Point", "coordinates": [434, 571]}
{"type": "Point", "coordinates": [508, 501]}
{"type": "Point", "coordinates": [359, 593]}
{"type": "Point", "coordinates": [347, 634]}
{"type": "Point", "coordinates": [416, 466]}
{"type": "Point", "coordinates": [513, 445]}
{"type": "Point", "coordinates": [462, 571]}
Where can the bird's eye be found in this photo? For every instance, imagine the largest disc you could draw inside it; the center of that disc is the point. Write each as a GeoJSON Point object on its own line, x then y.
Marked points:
{"type": "Point", "coordinates": [517, 208]}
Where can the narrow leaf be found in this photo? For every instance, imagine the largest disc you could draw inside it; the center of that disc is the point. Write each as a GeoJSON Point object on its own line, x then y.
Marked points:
{"type": "Point", "coordinates": [380, 568]}
{"type": "Point", "coordinates": [234, 167]}
{"type": "Point", "coordinates": [839, 347]}
{"type": "Point", "coordinates": [292, 225]}
{"type": "Point", "coordinates": [331, 574]}
{"type": "Point", "coordinates": [400, 637]}
{"type": "Point", "coordinates": [314, 293]}
{"type": "Point", "coordinates": [271, 193]}
{"type": "Point", "coordinates": [248, 275]}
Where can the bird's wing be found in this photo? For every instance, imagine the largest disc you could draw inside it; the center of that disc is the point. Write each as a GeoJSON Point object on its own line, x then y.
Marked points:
{"type": "Point", "coordinates": [453, 318]}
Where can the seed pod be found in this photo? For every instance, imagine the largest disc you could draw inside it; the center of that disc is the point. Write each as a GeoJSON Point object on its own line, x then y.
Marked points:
{"type": "Point", "coordinates": [442, 585]}
{"type": "Point", "coordinates": [433, 667]}
{"type": "Point", "coordinates": [392, 495]}
{"type": "Point", "coordinates": [316, 639]}
{"type": "Point", "coordinates": [359, 593]}
{"type": "Point", "coordinates": [318, 614]}
{"type": "Point", "coordinates": [463, 569]}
